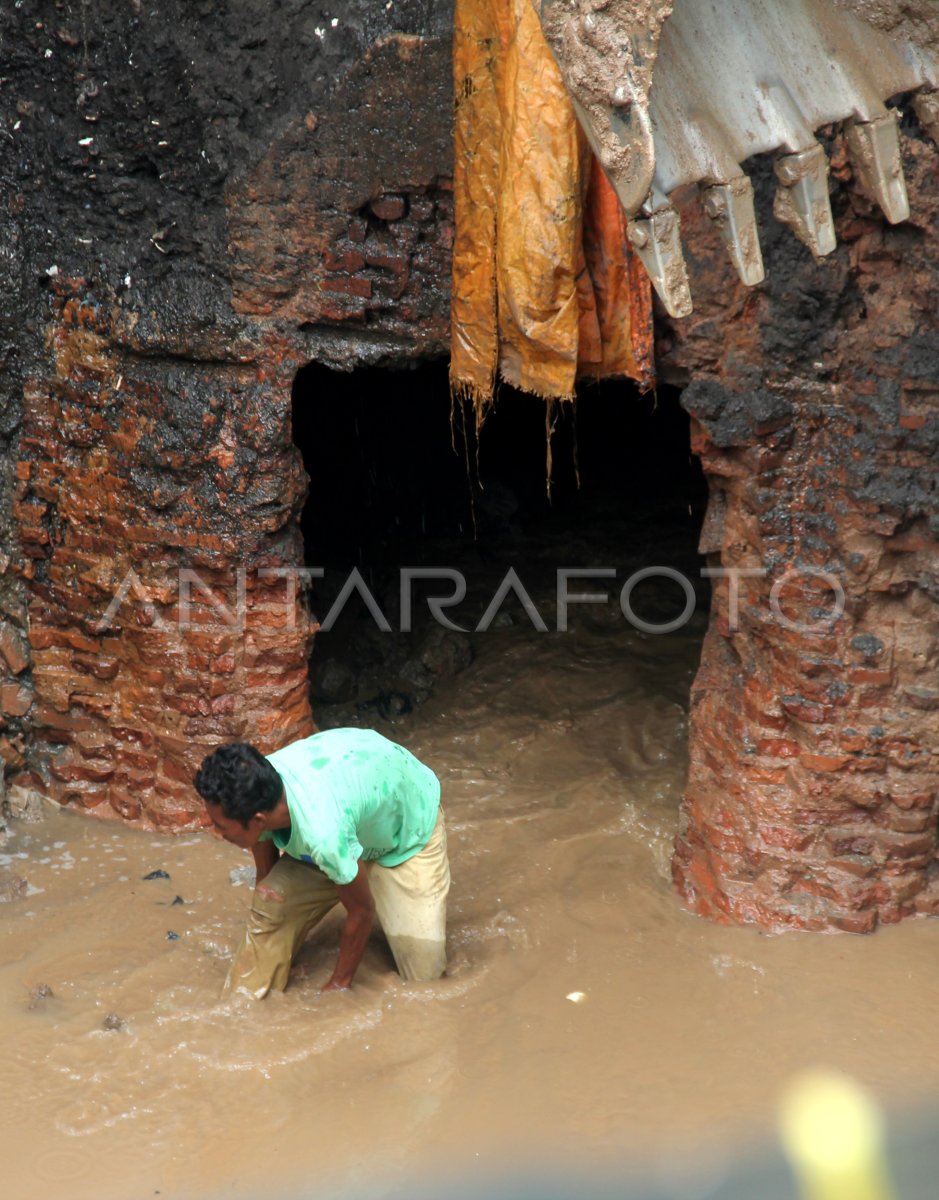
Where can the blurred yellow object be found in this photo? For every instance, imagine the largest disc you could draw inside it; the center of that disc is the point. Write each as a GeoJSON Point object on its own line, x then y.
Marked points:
{"type": "Point", "coordinates": [833, 1134]}
{"type": "Point", "coordinates": [546, 288]}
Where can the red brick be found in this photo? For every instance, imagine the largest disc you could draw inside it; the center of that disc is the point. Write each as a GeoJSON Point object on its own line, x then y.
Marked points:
{"type": "Point", "coordinates": [777, 748]}
{"type": "Point", "coordinates": [824, 762]}
{"type": "Point", "coordinates": [69, 771]}
{"type": "Point", "coordinates": [99, 704]}
{"type": "Point", "coordinates": [345, 260]}
{"type": "Point", "coordinates": [15, 699]}
{"type": "Point", "coordinates": [98, 665]}
{"type": "Point", "coordinates": [861, 922]}
{"type": "Point", "coordinates": [125, 804]}
{"type": "Point", "coordinates": [46, 716]}
{"type": "Point", "coordinates": [870, 675]}
{"type": "Point", "coordinates": [909, 800]}
{"type": "Point", "coordinates": [911, 821]}
{"type": "Point", "coordinates": [348, 286]}
{"type": "Point", "coordinates": [13, 648]}
{"type": "Point", "coordinates": [390, 207]}
{"type": "Point", "coordinates": [906, 845]}
{"type": "Point", "coordinates": [34, 535]}
{"type": "Point", "coordinates": [11, 752]}
{"type": "Point", "coordinates": [786, 837]}
{"type": "Point", "coordinates": [396, 263]}
{"type": "Point", "coordinates": [860, 866]}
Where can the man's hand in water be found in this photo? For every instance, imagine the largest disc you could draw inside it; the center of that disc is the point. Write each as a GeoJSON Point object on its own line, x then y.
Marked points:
{"type": "Point", "coordinates": [360, 916]}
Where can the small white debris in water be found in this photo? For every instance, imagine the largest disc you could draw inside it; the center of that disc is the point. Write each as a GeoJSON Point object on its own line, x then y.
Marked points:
{"type": "Point", "coordinates": [52, 271]}
{"type": "Point", "coordinates": [17, 124]}
{"type": "Point", "coordinates": [48, 54]}
{"type": "Point", "coordinates": [239, 875]}
{"type": "Point", "coordinates": [85, 141]}
{"type": "Point", "coordinates": [576, 997]}
{"type": "Point", "coordinates": [126, 281]}
{"type": "Point", "coordinates": [334, 22]}
{"type": "Point", "coordinates": [319, 32]}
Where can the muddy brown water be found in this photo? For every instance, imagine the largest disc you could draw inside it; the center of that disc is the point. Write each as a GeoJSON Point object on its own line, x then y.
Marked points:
{"type": "Point", "coordinates": [562, 758]}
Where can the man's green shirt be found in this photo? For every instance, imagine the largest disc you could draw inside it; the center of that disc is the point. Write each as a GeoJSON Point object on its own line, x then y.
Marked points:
{"type": "Point", "coordinates": [353, 794]}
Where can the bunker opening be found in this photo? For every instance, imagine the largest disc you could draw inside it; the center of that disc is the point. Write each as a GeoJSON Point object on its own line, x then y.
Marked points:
{"type": "Point", "coordinates": [428, 538]}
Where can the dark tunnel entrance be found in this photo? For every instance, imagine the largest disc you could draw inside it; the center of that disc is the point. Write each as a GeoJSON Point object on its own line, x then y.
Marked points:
{"type": "Point", "coordinates": [399, 480]}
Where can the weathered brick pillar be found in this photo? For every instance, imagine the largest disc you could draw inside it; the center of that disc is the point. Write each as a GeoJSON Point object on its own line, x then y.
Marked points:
{"type": "Point", "coordinates": [812, 793]}
{"type": "Point", "coordinates": [814, 775]}
{"type": "Point", "coordinates": [156, 511]}
{"type": "Point", "coordinates": [16, 693]}
{"type": "Point", "coordinates": [221, 227]}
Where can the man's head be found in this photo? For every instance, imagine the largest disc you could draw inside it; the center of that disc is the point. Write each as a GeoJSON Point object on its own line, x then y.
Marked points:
{"type": "Point", "coordinates": [240, 789]}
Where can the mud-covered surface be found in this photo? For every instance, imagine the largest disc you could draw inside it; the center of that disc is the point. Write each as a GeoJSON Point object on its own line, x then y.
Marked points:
{"type": "Point", "coordinates": [607, 55]}
{"type": "Point", "coordinates": [915, 20]}
{"type": "Point", "coordinates": [123, 128]}
{"type": "Point", "coordinates": [128, 122]}
{"type": "Point", "coordinates": [587, 1019]}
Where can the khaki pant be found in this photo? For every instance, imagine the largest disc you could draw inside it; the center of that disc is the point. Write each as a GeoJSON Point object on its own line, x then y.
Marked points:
{"type": "Point", "coordinates": [410, 902]}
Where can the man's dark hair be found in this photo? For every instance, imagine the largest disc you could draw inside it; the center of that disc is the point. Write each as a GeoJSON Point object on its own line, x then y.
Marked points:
{"type": "Point", "coordinates": [240, 779]}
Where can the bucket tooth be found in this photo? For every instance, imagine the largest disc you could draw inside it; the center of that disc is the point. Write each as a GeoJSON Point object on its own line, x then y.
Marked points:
{"type": "Point", "coordinates": [874, 147]}
{"type": "Point", "coordinates": [730, 205]}
{"type": "Point", "coordinates": [802, 200]}
{"type": "Point", "coordinates": [926, 107]}
{"type": "Point", "coordinates": [657, 240]}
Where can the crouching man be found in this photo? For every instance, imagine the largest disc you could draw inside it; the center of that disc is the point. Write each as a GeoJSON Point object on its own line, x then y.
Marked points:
{"type": "Point", "coordinates": [343, 816]}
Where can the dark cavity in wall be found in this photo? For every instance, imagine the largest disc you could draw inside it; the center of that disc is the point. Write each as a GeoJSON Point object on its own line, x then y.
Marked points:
{"type": "Point", "coordinates": [398, 479]}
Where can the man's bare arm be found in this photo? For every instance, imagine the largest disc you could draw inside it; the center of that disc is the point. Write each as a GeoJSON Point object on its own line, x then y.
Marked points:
{"type": "Point", "coordinates": [265, 855]}
{"type": "Point", "coordinates": [360, 916]}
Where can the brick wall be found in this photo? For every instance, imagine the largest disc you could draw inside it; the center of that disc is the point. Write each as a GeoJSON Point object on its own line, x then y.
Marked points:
{"type": "Point", "coordinates": [132, 469]}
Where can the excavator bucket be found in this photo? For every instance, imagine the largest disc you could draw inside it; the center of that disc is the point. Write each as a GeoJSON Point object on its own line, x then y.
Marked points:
{"type": "Point", "coordinates": [670, 94]}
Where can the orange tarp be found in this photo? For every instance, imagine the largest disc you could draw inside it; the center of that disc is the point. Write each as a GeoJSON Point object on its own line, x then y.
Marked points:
{"type": "Point", "coordinates": [545, 286]}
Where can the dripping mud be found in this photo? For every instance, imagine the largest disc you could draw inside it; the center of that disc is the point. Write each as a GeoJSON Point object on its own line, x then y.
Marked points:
{"type": "Point", "coordinates": [586, 1016]}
